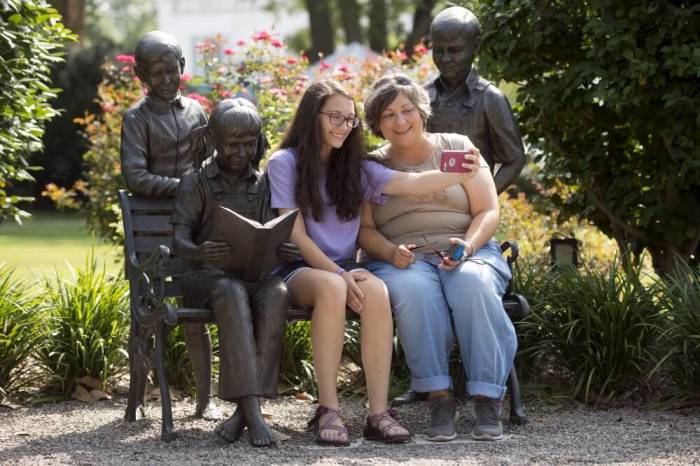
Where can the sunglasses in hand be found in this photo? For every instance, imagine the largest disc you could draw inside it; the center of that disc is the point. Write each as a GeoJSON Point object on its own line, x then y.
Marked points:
{"type": "Point", "coordinates": [454, 252]}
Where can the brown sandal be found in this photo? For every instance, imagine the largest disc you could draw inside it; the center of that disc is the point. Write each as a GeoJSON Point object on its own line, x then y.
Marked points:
{"type": "Point", "coordinates": [381, 433]}
{"type": "Point", "coordinates": [315, 424]}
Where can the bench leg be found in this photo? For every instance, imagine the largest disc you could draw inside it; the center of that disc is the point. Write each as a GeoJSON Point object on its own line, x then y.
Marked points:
{"type": "Point", "coordinates": [167, 432]}
{"type": "Point", "coordinates": [140, 351]}
{"type": "Point", "coordinates": [517, 414]}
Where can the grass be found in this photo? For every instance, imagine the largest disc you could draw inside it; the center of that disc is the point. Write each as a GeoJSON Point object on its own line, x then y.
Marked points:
{"type": "Point", "coordinates": [48, 242]}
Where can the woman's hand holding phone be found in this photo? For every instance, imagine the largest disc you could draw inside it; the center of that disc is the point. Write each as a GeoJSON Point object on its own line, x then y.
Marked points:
{"type": "Point", "coordinates": [464, 161]}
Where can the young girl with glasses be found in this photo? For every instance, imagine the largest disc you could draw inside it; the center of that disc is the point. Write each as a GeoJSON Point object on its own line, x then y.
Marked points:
{"type": "Point", "coordinates": [323, 169]}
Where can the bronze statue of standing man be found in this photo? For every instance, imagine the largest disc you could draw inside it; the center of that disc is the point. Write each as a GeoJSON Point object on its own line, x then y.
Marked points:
{"type": "Point", "coordinates": [465, 103]}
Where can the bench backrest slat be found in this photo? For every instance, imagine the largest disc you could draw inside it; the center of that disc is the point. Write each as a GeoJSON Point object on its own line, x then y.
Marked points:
{"type": "Point", "coordinates": [146, 227]}
{"type": "Point", "coordinates": [153, 223]}
{"type": "Point", "coordinates": [151, 243]}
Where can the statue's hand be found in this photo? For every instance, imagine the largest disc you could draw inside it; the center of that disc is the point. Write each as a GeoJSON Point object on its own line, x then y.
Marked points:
{"type": "Point", "coordinates": [198, 145]}
{"type": "Point", "coordinates": [210, 251]}
{"type": "Point", "coordinates": [289, 252]}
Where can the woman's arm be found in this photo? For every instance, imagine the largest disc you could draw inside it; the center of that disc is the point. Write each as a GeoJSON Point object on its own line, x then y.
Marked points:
{"type": "Point", "coordinates": [483, 205]}
{"type": "Point", "coordinates": [433, 180]}
{"type": "Point", "coordinates": [376, 245]}
{"type": "Point", "coordinates": [311, 253]}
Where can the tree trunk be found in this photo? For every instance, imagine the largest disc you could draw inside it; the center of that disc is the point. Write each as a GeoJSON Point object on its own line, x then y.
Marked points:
{"type": "Point", "coordinates": [322, 39]}
{"type": "Point", "coordinates": [421, 24]}
{"type": "Point", "coordinates": [73, 12]}
{"type": "Point", "coordinates": [377, 25]}
{"type": "Point", "coordinates": [350, 16]}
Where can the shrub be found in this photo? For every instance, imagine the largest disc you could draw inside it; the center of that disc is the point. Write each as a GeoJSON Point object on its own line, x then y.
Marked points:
{"type": "Point", "coordinates": [88, 326]}
{"type": "Point", "coordinates": [20, 331]}
{"type": "Point", "coordinates": [602, 326]}
{"type": "Point", "coordinates": [682, 301]}
{"type": "Point", "coordinates": [31, 40]}
{"type": "Point", "coordinates": [296, 366]}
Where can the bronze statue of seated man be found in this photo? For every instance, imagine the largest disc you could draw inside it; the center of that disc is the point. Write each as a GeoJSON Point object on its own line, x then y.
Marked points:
{"type": "Point", "coordinates": [250, 317]}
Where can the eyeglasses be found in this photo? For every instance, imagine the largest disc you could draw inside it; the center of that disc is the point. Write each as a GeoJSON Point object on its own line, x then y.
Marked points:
{"type": "Point", "coordinates": [337, 119]}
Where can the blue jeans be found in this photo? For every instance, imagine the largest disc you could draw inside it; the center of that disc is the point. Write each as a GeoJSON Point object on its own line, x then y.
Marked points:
{"type": "Point", "coordinates": [431, 307]}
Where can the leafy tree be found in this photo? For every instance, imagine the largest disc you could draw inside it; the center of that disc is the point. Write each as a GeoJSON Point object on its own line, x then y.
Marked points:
{"type": "Point", "coordinates": [609, 97]}
{"type": "Point", "coordinates": [31, 39]}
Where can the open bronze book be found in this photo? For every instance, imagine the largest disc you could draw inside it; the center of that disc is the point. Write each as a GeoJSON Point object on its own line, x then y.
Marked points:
{"type": "Point", "coordinates": [253, 246]}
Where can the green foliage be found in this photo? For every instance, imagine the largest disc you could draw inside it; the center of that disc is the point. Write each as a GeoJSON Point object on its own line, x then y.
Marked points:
{"type": "Point", "coordinates": [296, 366]}
{"type": "Point", "coordinates": [31, 39]}
{"type": "Point", "coordinates": [88, 326]}
{"type": "Point", "coordinates": [682, 301]}
{"type": "Point", "coordinates": [21, 331]}
{"type": "Point", "coordinates": [602, 326]}
{"type": "Point", "coordinates": [608, 99]}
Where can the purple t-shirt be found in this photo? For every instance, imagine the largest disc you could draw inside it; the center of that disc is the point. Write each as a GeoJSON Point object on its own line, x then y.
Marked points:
{"type": "Point", "coordinates": [335, 237]}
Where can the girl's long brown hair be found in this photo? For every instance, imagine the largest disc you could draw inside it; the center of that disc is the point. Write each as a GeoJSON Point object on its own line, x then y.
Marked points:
{"type": "Point", "coordinates": [344, 177]}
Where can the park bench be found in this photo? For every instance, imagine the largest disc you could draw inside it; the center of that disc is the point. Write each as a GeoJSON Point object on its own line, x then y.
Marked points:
{"type": "Point", "coordinates": [154, 292]}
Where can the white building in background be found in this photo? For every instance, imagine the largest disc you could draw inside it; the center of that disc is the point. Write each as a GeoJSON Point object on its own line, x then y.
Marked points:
{"type": "Point", "coordinates": [192, 21]}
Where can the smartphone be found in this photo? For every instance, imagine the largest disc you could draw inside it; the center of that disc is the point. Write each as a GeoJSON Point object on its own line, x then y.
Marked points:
{"type": "Point", "coordinates": [455, 251]}
{"type": "Point", "coordinates": [451, 160]}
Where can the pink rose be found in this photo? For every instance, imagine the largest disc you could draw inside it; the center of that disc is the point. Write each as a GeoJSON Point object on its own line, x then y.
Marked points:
{"type": "Point", "coordinates": [262, 35]}
{"type": "Point", "coordinates": [128, 59]}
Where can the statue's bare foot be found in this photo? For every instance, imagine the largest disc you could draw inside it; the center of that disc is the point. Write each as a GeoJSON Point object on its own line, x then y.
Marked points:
{"type": "Point", "coordinates": [207, 409]}
{"type": "Point", "coordinates": [232, 428]}
{"type": "Point", "coordinates": [259, 434]}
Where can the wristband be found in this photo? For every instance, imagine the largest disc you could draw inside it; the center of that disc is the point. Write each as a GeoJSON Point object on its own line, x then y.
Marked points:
{"type": "Point", "coordinates": [340, 270]}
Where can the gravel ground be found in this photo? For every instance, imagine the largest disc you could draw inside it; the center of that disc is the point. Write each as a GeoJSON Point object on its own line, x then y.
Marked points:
{"type": "Point", "coordinates": [86, 434]}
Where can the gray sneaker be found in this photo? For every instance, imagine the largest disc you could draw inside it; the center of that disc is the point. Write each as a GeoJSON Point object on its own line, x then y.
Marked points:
{"type": "Point", "coordinates": [443, 414]}
{"type": "Point", "coordinates": [488, 419]}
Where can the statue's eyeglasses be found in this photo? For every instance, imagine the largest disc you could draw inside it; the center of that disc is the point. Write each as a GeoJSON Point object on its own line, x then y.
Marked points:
{"type": "Point", "coordinates": [337, 119]}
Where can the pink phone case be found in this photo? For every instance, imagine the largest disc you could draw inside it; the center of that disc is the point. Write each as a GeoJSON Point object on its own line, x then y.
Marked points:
{"type": "Point", "coordinates": [451, 160]}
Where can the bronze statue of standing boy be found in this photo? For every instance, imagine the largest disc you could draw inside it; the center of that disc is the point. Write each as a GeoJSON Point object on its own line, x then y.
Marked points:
{"type": "Point", "coordinates": [465, 103]}
{"type": "Point", "coordinates": [155, 153]}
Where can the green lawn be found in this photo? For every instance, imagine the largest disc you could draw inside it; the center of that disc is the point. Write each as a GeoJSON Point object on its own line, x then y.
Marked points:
{"type": "Point", "coordinates": [48, 242]}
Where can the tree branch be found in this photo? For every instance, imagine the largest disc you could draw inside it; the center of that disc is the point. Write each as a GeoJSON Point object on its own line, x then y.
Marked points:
{"type": "Point", "coordinates": [614, 219]}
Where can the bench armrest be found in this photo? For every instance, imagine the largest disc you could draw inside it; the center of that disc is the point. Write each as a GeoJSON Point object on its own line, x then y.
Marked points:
{"type": "Point", "coordinates": [148, 279]}
{"type": "Point", "coordinates": [514, 251]}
